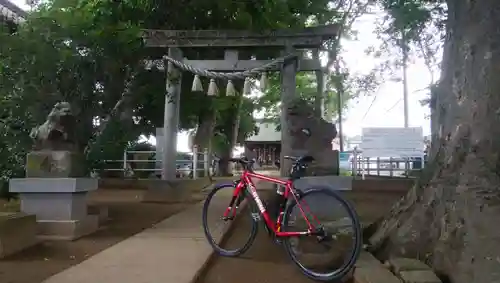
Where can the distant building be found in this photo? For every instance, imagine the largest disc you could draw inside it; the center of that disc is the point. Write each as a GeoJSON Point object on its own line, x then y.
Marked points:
{"type": "Point", "coordinates": [11, 15]}
{"type": "Point", "coordinates": [336, 143]}
{"type": "Point", "coordinates": [266, 145]}
{"type": "Point", "coordinates": [353, 142]}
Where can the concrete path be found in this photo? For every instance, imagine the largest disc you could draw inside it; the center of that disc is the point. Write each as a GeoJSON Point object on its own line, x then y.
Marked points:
{"type": "Point", "coordinates": [173, 251]}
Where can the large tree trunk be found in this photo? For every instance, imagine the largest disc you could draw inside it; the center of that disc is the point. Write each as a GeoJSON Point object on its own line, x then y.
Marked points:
{"type": "Point", "coordinates": [452, 221]}
{"type": "Point", "coordinates": [224, 167]}
{"type": "Point", "coordinates": [204, 134]}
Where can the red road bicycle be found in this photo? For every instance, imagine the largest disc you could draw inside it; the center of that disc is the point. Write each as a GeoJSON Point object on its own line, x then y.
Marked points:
{"type": "Point", "coordinates": [281, 229]}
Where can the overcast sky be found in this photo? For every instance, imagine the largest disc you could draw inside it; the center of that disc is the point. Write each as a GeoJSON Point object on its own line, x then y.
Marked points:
{"type": "Point", "coordinates": [387, 108]}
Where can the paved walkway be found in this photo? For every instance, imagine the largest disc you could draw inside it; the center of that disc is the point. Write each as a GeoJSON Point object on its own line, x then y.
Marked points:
{"type": "Point", "coordinates": [173, 251]}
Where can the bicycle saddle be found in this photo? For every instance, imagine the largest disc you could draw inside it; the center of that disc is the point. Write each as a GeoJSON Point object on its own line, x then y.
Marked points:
{"type": "Point", "coordinates": [300, 159]}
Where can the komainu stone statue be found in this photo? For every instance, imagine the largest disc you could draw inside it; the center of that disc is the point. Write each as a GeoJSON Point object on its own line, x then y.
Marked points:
{"type": "Point", "coordinates": [313, 136]}
{"type": "Point", "coordinates": [58, 131]}
{"type": "Point", "coordinates": [55, 151]}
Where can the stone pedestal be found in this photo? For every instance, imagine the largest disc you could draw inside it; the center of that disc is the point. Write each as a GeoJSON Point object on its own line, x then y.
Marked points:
{"type": "Point", "coordinates": [336, 183]}
{"type": "Point", "coordinates": [54, 164]}
{"type": "Point", "coordinates": [60, 205]}
{"type": "Point", "coordinates": [17, 232]}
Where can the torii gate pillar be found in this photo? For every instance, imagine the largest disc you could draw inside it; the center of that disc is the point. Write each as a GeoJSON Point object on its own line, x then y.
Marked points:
{"type": "Point", "coordinates": [171, 117]}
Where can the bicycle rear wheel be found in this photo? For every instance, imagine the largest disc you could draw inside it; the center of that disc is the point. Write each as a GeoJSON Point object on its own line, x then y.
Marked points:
{"type": "Point", "coordinates": [341, 228]}
{"type": "Point", "coordinates": [245, 209]}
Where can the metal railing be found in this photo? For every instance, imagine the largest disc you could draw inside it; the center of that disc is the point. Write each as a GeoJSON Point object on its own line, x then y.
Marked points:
{"type": "Point", "coordinates": [359, 165]}
{"type": "Point", "coordinates": [187, 168]}
{"type": "Point", "coordinates": [390, 167]}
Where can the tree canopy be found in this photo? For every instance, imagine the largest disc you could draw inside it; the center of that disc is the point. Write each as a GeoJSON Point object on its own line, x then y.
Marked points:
{"type": "Point", "coordinates": [89, 53]}
{"type": "Point", "coordinates": [85, 52]}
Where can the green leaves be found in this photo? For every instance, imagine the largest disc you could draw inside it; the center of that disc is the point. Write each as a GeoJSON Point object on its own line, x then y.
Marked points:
{"type": "Point", "coordinates": [416, 25]}
{"type": "Point", "coordinates": [306, 88]}
{"type": "Point", "coordinates": [82, 51]}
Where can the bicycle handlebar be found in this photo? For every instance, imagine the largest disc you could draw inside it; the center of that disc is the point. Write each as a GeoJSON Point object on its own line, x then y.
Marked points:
{"type": "Point", "coordinates": [242, 160]}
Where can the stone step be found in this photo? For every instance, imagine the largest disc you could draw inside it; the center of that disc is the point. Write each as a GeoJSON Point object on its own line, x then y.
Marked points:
{"type": "Point", "coordinates": [419, 276]}
{"type": "Point", "coordinates": [17, 232]}
{"type": "Point", "coordinates": [366, 259]}
{"type": "Point", "coordinates": [399, 264]}
{"type": "Point", "coordinates": [412, 270]}
{"type": "Point", "coordinates": [374, 274]}
{"type": "Point", "coordinates": [370, 270]}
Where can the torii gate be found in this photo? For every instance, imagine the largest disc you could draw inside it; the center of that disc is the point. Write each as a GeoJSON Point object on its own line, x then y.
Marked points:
{"type": "Point", "coordinates": [286, 40]}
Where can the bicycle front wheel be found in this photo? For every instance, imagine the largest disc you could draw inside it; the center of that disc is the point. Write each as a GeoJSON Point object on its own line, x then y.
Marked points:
{"type": "Point", "coordinates": [215, 227]}
{"type": "Point", "coordinates": [332, 253]}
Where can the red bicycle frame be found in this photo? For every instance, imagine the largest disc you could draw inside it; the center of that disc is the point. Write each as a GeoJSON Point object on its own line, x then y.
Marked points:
{"type": "Point", "coordinates": [246, 182]}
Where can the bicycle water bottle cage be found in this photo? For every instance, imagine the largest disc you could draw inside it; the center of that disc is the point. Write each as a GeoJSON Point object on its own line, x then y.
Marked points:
{"type": "Point", "coordinates": [299, 165]}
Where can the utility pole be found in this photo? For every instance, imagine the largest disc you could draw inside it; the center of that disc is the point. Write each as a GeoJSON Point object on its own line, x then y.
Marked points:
{"type": "Point", "coordinates": [320, 91]}
{"type": "Point", "coordinates": [404, 49]}
{"type": "Point", "coordinates": [339, 84]}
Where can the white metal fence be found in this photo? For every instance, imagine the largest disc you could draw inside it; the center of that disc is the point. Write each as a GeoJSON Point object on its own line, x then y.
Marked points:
{"type": "Point", "coordinates": [147, 162]}
{"type": "Point", "coordinates": [391, 167]}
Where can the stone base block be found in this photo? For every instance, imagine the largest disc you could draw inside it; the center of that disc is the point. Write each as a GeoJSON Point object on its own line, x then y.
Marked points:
{"type": "Point", "coordinates": [336, 183]}
{"type": "Point", "coordinates": [52, 185]}
{"type": "Point", "coordinates": [68, 230]}
{"type": "Point", "coordinates": [17, 232]}
{"type": "Point", "coordinates": [100, 211]}
{"type": "Point", "coordinates": [54, 198]}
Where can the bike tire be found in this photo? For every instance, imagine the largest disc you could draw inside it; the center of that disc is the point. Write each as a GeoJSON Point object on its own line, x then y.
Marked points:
{"type": "Point", "coordinates": [350, 263]}
{"type": "Point", "coordinates": [217, 246]}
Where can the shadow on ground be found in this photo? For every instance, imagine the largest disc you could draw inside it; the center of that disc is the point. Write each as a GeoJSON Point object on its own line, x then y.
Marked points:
{"type": "Point", "coordinates": [128, 216]}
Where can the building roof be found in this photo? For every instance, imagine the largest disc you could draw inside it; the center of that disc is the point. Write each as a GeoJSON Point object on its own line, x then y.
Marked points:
{"type": "Point", "coordinates": [267, 133]}
{"type": "Point", "coordinates": [11, 12]}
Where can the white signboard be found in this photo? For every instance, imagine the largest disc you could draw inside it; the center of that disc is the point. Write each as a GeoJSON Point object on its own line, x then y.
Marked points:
{"type": "Point", "coordinates": [392, 142]}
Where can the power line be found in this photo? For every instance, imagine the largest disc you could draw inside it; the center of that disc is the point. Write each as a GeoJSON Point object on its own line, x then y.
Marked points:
{"type": "Point", "coordinates": [392, 107]}
{"type": "Point", "coordinates": [371, 104]}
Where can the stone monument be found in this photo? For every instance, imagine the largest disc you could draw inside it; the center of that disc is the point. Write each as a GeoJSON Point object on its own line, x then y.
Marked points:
{"type": "Point", "coordinates": [312, 135]}
{"type": "Point", "coordinates": [55, 188]}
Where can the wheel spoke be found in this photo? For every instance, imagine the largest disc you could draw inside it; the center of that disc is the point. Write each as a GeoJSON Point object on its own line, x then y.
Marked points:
{"type": "Point", "coordinates": [332, 249]}
{"type": "Point", "coordinates": [215, 207]}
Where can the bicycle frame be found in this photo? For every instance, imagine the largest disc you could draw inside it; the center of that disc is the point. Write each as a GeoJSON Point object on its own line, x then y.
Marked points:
{"type": "Point", "coordinates": [246, 182]}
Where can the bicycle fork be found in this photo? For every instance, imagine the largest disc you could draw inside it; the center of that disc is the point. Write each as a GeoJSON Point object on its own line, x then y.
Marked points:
{"type": "Point", "coordinates": [234, 204]}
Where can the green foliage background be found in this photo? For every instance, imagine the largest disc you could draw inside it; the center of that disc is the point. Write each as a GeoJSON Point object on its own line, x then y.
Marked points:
{"type": "Point", "coordinates": [83, 52]}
